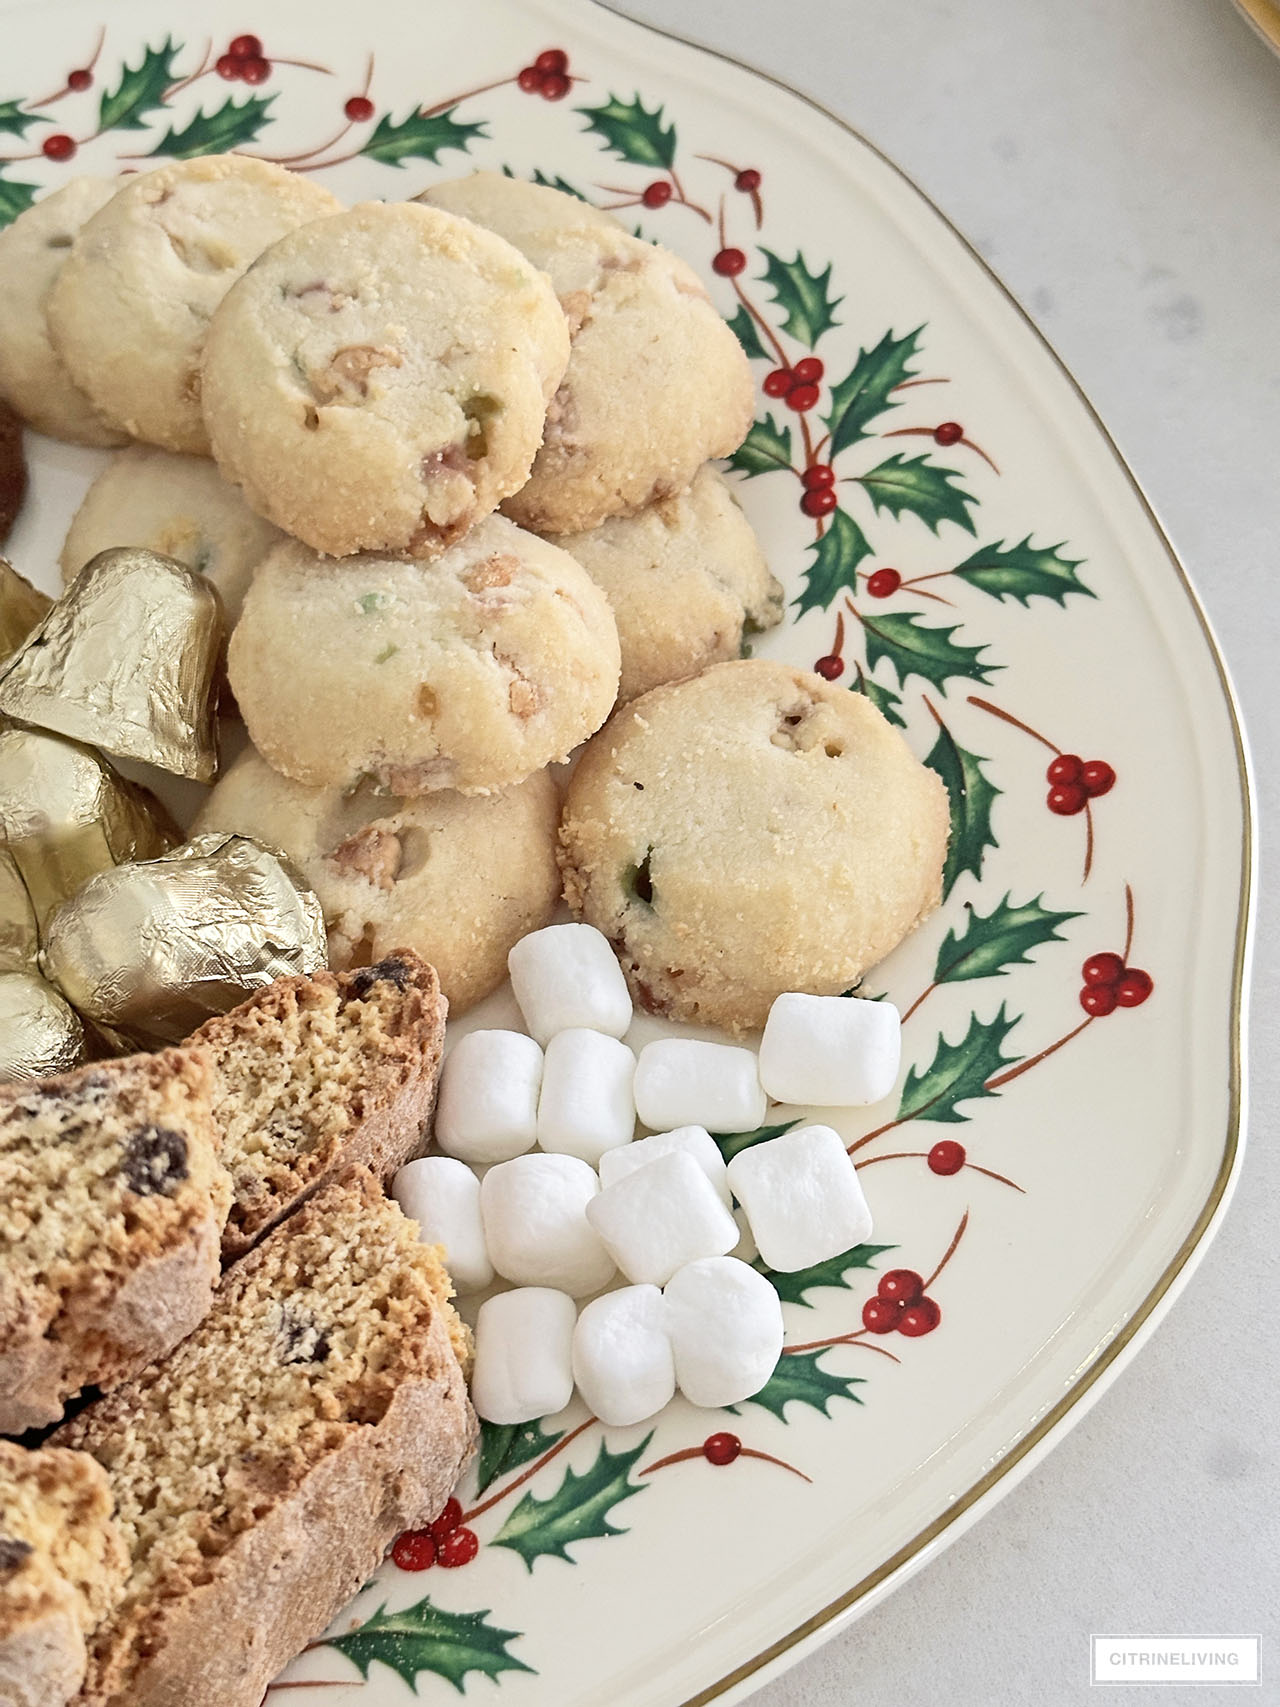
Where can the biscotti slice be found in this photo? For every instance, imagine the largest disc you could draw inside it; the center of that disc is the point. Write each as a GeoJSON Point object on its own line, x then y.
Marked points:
{"type": "Point", "coordinates": [112, 1203]}
{"type": "Point", "coordinates": [316, 1075]}
{"type": "Point", "coordinates": [261, 1470]}
{"type": "Point", "coordinates": [62, 1566]}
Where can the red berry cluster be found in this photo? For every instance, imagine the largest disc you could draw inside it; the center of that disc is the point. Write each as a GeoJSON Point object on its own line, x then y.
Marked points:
{"type": "Point", "coordinates": [721, 1448]}
{"type": "Point", "coordinates": [797, 385]}
{"type": "Point", "coordinates": [883, 583]}
{"type": "Point", "coordinates": [548, 76]}
{"type": "Point", "coordinates": [244, 62]}
{"type": "Point", "coordinates": [1074, 781]}
{"type": "Point", "coordinates": [444, 1542]}
{"type": "Point", "coordinates": [1110, 984]}
{"type": "Point", "coordinates": [900, 1306]}
{"type": "Point", "coordinates": [819, 480]}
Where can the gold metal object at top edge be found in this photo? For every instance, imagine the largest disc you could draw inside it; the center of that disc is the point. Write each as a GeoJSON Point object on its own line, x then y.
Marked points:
{"type": "Point", "coordinates": [1264, 17]}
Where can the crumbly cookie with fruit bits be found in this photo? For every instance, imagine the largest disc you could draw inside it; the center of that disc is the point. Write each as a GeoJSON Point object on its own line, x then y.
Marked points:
{"type": "Point", "coordinates": [751, 831]}
{"type": "Point", "coordinates": [32, 376]}
{"type": "Point", "coordinates": [460, 878]}
{"type": "Point", "coordinates": [128, 311]}
{"type": "Point", "coordinates": [656, 383]}
{"type": "Point", "coordinates": [380, 381]}
{"type": "Point", "coordinates": [686, 580]}
{"type": "Point", "coordinates": [469, 673]}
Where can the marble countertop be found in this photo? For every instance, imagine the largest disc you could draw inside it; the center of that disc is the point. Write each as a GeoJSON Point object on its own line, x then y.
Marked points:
{"type": "Point", "coordinates": [1118, 163]}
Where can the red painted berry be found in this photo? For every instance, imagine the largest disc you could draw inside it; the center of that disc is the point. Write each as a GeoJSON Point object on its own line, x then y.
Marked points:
{"type": "Point", "coordinates": [830, 668]}
{"type": "Point", "coordinates": [1098, 1000]}
{"type": "Point", "coordinates": [229, 68]}
{"type": "Point", "coordinates": [1065, 768]}
{"type": "Point", "coordinates": [778, 383]}
{"type": "Point", "coordinates": [555, 86]}
{"type": "Point", "coordinates": [658, 193]}
{"type": "Point", "coordinates": [1102, 969]}
{"type": "Point", "coordinates": [821, 474]}
{"type": "Point", "coordinates": [255, 70]}
{"type": "Point", "coordinates": [1134, 988]}
{"type": "Point", "coordinates": [900, 1285]}
{"type": "Point", "coordinates": [553, 62]}
{"type": "Point", "coordinates": [721, 1448]}
{"type": "Point", "coordinates": [881, 1315]}
{"type": "Point", "coordinates": [819, 502]}
{"type": "Point", "coordinates": [530, 80]}
{"type": "Point", "coordinates": [883, 583]}
{"type": "Point", "coordinates": [808, 371]}
{"type": "Point", "coordinates": [245, 47]}
{"type": "Point", "coordinates": [80, 80]}
{"type": "Point", "coordinates": [415, 1550]}
{"type": "Point", "coordinates": [1097, 777]}
{"type": "Point", "coordinates": [58, 147]}
{"type": "Point", "coordinates": [946, 1157]}
{"type": "Point", "coordinates": [748, 180]}
{"type": "Point", "coordinates": [459, 1547]}
{"type": "Point", "coordinates": [922, 1317]}
{"type": "Point", "coordinates": [802, 397]}
{"type": "Point", "coordinates": [359, 109]}
{"type": "Point", "coordinates": [729, 263]}
{"type": "Point", "coordinates": [449, 1520]}
{"type": "Point", "coordinates": [1066, 799]}
{"type": "Point", "coordinates": [948, 433]}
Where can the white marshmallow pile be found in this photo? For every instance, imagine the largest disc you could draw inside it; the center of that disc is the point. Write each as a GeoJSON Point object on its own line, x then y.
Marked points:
{"type": "Point", "coordinates": [538, 1115]}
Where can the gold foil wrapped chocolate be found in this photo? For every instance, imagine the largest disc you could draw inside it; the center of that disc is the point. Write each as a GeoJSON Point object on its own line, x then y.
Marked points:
{"type": "Point", "coordinates": [22, 608]}
{"type": "Point", "coordinates": [39, 1034]}
{"type": "Point", "coordinates": [66, 814]}
{"type": "Point", "coordinates": [19, 938]}
{"type": "Point", "coordinates": [150, 951]}
{"type": "Point", "coordinates": [125, 661]}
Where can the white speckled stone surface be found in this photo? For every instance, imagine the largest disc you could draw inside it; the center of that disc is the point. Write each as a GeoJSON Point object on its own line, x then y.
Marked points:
{"type": "Point", "coordinates": [1118, 163]}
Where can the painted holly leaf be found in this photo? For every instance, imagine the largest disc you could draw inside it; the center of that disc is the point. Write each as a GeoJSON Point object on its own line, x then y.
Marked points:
{"type": "Point", "coordinates": [426, 1638]}
{"type": "Point", "coordinates": [731, 1142]}
{"type": "Point", "coordinates": [836, 557]}
{"type": "Point", "coordinates": [231, 126]}
{"type": "Point", "coordinates": [800, 1379]}
{"type": "Point", "coordinates": [142, 89]}
{"type": "Point", "coordinates": [632, 132]}
{"type": "Point", "coordinates": [743, 328]}
{"type": "Point", "coordinates": [808, 308]}
{"type": "Point", "coordinates": [884, 699]}
{"type": "Point", "coordinates": [791, 1288]}
{"type": "Point", "coordinates": [920, 488]}
{"type": "Point", "coordinates": [14, 122]}
{"type": "Point", "coordinates": [866, 392]}
{"type": "Point", "coordinates": [958, 1072]}
{"type": "Point", "coordinates": [1023, 573]}
{"type": "Point", "coordinates": [14, 199]}
{"type": "Point", "coordinates": [555, 183]}
{"type": "Point", "coordinates": [970, 796]}
{"type": "Point", "coordinates": [766, 447]}
{"type": "Point", "coordinates": [991, 944]}
{"type": "Point", "coordinates": [914, 649]}
{"type": "Point", "coordinates": [419, 136]}
{"type": "Point", "coordinates": [506, 1446]}
{"type": "Point", "coordinates": [577, 1511]}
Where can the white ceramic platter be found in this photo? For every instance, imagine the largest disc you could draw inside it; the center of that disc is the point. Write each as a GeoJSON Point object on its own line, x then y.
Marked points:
{"type": "Point", "coordinates": [987, 569]}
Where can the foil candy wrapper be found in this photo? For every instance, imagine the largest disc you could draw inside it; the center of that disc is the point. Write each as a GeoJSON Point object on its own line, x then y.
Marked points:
{"type": "Point", "coordinates": [19, 938]}
{"type": "Point", "coordinates": [149, 951]}
{"type": "Point", "coordinates": [125, 661]}
{"type": "Point", "coordinates": [39, 1033]}
{"type": "Point", "coordinates": [22, 608]}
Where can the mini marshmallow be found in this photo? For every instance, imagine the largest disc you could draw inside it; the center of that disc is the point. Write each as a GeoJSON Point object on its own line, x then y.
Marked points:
{"type": "Point", "coordinates": [443, 1197]}
{"type": "Point", "coordinates": [683, 1082]}
{"type": "Point", "coordinates": [524, 1355]}
{"type": "Point", "coordinates": [536, 1227]}
{"type": "Point", "coordinates": [586, 1107]}
{"type": "Point", "coordinates": [725, 1322]}
{"type": "Point", "coordinates": [622, 1359]}
{"type": "Point", "coordinates": [660, 1217]}
{"type": "Point", "coordinates": [831, 1051]}
{"type": "Point", "coordinates": [802, 1198]}
{"type": "Point", "coordinates": [488, 1107]}
{"type": "Point", "coordinates": [696, 1140]}
{"type": "Point", "coordinates": [566, 977]}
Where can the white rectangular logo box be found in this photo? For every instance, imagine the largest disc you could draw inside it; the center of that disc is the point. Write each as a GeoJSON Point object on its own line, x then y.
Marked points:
{"type": "Point", "coordinates": [1175, 1659]}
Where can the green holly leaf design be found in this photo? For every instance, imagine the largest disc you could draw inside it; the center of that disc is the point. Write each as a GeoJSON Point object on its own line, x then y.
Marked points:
{"type": "Point", "coordinates": [506, 1446]}
{"type": "Point", "coordinates": [426, 1638]}
{"type": "Point", "coordinates": [577, 1511]}
{"type": "Point", "coordinates": [766, 447]}
{"type": "Point", "coordinates": [808, 308]}
{"type": "Point", "coordinates": [743, 328]}
{"type": "Point", "coordinates": [800, 1379]}
{"type": "Point", "coordinates": [836, 557]}
{"type": "Point", "coordinates": [14, 199]}
{"type": "Point", "coordinates": [142, 89]}
{"type": "Point", "coordinates": [1023, 573]}
{"type": "Point", "coordinates": [791, 1288]}
{"type": "Point", "coordinates": [556, 183]}
{"type": "Point", "coordinates": [971, 797]}
{"type": "Point", "coordinates": [14, 122]}
{"type": "Point", "coordinates": [632, 132]}
{"type": "Point", "coordinates": [992, 943]}
{"type": "Point", "coordinates": [731, 1142]}
{"type": "Point", "coordinates": [958, 1072]}
{"type": "Point", "coordinates": [866, 391]}
{"type": "Point", "coordinates": [920, 488]}
{"type": "Point", "coordinates": [914, 649]}
{"type": "Point", "coordinates": [230, 127]}
{"type": "Point", "coordinates": [419, 136]}
{"type": "Point", "coordinates": [884, 699]}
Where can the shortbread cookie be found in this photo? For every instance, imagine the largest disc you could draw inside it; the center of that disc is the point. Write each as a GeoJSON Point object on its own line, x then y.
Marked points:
{"type": "Point", "coordinates": [177, 505]}
{"type": "Point", "coordinates": [32, 376]}
{"type": "Point", "coordinates": [686, 580]}
{"type": "Point", "coordinates": [751, 831]}
{"type": "Point", "coordinates": [112, 1203]}
{"type": "Point", "coordinates": [62, 1567]}
{"type": "Point", "coordinates": [380, 381]}
{"type": "Point", "coordinates": [460, 878]}
{"type": "Point", "coordinates": [262, 1469]}
{"type": "Point", "coordinates": [470, 672]}
{"type": "Point", "coordinates": [656, 383]}
{"type": "Point", "coordinates": [13, 469]}
{"type": "Point", "coordinates": [128, 311]}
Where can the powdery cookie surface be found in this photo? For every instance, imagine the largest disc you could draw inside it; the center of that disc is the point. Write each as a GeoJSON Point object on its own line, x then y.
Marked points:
{"type": "Point", "coordinates": [656, 383]}
{"type": "Point", "coordinates": [380, 381]}
{"type": "Point", "coordinates": [470, 672]}
{"type": "Point", "coordinates": [686, 579]}
{"type": "Point", "coordinates": [129, 309]}
{"type": "Point", "coordinates": [460, 878]}
{"type": "Point", "coordinates": [32, 253]}
{"type": "Point", "coordinates": [751, 831]}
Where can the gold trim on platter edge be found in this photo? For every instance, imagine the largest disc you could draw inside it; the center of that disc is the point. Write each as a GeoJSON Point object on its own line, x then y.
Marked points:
{"type": "Point", "coordinates": [1263, 17]}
